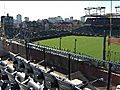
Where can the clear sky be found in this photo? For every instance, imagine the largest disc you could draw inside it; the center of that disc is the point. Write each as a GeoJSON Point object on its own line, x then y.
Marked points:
{"type": "Point", "coordinates": [44, 9]}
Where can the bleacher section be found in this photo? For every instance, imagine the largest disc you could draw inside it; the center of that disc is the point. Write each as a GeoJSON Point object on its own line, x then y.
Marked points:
{"type": "Point", "coordinates": [96, 27]}
{"type": "Point", "coordinates": [36, 78]}
{"type": "Point", "coordinates": [35, 36]}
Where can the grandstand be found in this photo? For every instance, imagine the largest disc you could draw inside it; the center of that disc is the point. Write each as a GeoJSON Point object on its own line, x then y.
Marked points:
{"type": "Point", "coordinates": [96, 27]}
{"type": "Point", "coordinates": [49, 34]}
{"type": "Point", "coordinates": [35, 36]}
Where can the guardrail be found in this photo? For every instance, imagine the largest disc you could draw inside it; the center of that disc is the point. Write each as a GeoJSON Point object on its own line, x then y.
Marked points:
{"type": "Point", "coordinates": [97, 63]}
{"type": "Point", "coordinates": [82, 58]}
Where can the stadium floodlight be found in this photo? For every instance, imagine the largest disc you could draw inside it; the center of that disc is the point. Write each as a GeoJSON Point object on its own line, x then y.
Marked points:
{"type": "Point", "coordinates": [88, 9]}
{"type": "Point", "coordinates": [103, 7]}
{"type": "Point", "coordinates": [117, 9]}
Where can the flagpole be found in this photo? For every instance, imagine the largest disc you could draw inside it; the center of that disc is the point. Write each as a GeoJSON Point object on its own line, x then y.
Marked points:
{"type": "Point", "coordinates": [109, 53]}
{"type": "Point", "coordinates": [110, 33]}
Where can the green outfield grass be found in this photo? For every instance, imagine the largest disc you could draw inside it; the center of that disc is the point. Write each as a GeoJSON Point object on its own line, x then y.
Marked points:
{"type": "Point", "coordinates": [91, 46]}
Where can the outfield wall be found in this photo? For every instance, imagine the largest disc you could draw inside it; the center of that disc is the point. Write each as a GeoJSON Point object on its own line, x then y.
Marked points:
{"type": "Point", "coordinates": [61, 62]}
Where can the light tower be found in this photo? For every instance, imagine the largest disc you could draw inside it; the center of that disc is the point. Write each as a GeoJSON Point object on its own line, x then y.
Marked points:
{"type": "Point", "coordinates": [101, 10]}
{"type": "Point", "coordinates": [117, 9]}
{"type": "Point", "coordinates": [87, 10]}
{"type": "Point", "coordinates": [94, 11]}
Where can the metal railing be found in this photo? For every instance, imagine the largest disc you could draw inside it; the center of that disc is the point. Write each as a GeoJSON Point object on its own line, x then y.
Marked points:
{"type": "Point", "coordinates": [82, 58]}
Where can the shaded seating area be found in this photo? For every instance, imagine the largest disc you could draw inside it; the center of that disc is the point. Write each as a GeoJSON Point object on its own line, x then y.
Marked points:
{"type": "Point", "coordinates": [27, 84]}
{"type": "Point", "coordinates": [3, 76]}
{"type": "Point", "coordinates": [51, 81]}
{"type": "Point", "coordinates": [18, 63]}
{"type": "Point", "coordinates": [28, 69]}
{"type": "Point", "coordinates": [11, 76]}
{"type": "Point", "coordinates": [37, 77]}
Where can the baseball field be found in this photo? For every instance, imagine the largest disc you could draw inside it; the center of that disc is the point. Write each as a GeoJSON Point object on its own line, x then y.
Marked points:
{"type": "Point", "coordinates": [90, 46]}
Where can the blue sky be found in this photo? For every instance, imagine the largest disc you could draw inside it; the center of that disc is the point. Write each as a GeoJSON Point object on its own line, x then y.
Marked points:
{"type": "Point", "coordinates": [44, 9]}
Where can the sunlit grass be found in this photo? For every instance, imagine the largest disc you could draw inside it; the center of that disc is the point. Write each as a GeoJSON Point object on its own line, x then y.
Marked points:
{"type": "Point", "coordinates": [91, 46]}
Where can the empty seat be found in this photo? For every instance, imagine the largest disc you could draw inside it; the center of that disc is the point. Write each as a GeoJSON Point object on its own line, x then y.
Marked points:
{"type": "Point", "coordinates": [34, 86]}
{"type": "Point", "coordinates": [21, 76]}
{"type": "Point", "coordinates": [4, 63]}
{"type": "Point", "coordinates": [50, 81]}
{"type": "Point", "coordinates": [11, 76]}
{"type": "Point", "coordinates": [118, 87]}
{"type": "Point", "coordinates": [22, 85]}
{"type": "Point", "coordinates": [28, 84]}
{"type": "Point", "coordinates": [3, 66]}
{"type": "Point", "coordinates": [18, 64]}
{"type": "Point", "coordinates": [38, 73]}
{"type": "Point", "coordinates": [28, 69]}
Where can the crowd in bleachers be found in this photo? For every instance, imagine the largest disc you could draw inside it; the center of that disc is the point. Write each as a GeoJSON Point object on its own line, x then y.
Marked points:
{"type": "Point", "coordinates": [36, 30]}
{"type": "Point", "coordinates": [47, 34]}
{"type": "Point", "coordinates": [96, 27]}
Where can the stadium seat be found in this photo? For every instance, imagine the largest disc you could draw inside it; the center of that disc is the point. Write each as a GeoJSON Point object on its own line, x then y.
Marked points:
{"type": "Point", "coordinates": [22, 85]}
{"type": "Point", "coordinates": [28, 69]}
{"type": "Point", "coordinates": [28, 84]}
{"type": "Point", "coordinates": [118, 87]}
{"type": "Point", "coordinates": [50, 81]}
{"type": "Point", "coordinates": [18, 64]}
{"type": "Point", "coordinates": [38, 73]}
{"type": "Point", "coordinates": [11, 76]}
{"type": "Point", "coordinates": [3, 76]}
